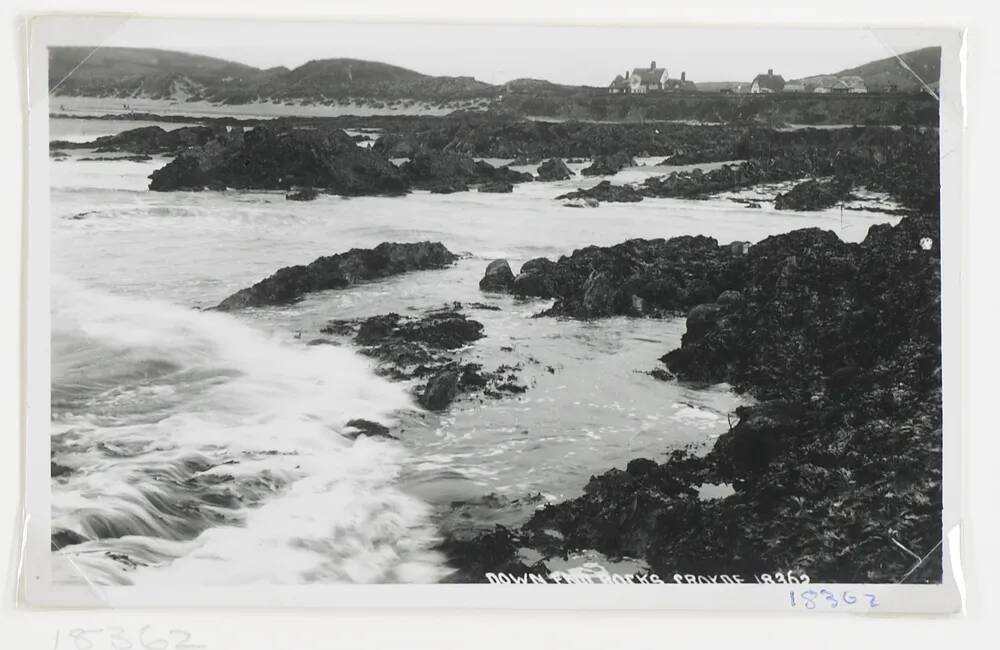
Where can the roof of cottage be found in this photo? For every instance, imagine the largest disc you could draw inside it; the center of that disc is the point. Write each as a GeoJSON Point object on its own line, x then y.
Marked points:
{"type": "Point", "coordinates": [773, 82]}
{"type": "Point", "coordinates": [649, 75]}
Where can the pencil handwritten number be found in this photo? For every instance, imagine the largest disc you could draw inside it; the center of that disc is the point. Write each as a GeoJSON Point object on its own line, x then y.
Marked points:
{"type": "Point", "coordinates": [184, 639]}
{"type": "Point", "coordinates": [118, 639]}
{"type": "Point", "coordinates": [81, 640]}
{"type": "Point", "coordinates": [156, 644]}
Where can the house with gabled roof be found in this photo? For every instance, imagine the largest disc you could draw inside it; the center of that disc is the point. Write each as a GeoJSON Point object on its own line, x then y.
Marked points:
{"type": "Point", "coordinates": [854, 84]}
{"type": "Point", "coordinates": [643, 80]}
{"type": "Point", "coordinates": [618, 86]}
{"type": "Point", "coordinates": [767, 83]}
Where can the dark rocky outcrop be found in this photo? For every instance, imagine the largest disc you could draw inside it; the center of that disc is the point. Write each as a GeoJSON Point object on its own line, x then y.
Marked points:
{"type": "Point", "coordinates": [836, 470]}
{"type": "Point", "coordinates": [450, 172]}
{"type": "Point", "coordinates": [609, 165]}
{"type": "Point", "coordinates": [275, 158]}
{"type": "Point", "coordinates": [428, 349]}
{"type": "Point", "coordinates": [498, 277]}
{"type": "Point", "coordinates": [291, 283]}
{"type": "Point", "coordinates": [368, 428]}
{"type": "Point", "coordinates": [639, 277]}
{"type": "Point", "coordinates": [605, 191]}
{"type": "Point", "coordinates": [536, 278]}
{"type": "Point", "coordinates": [814, 195]}
{"type": "Point", "coordinates": [146, 140]}
{"type": "Point", "coordinates": [554, 169]}
{"type": "Point", "coordinates": [903, 164]}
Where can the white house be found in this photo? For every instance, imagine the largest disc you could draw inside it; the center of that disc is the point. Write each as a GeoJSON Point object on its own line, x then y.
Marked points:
{"type": "Point", "coordinates": [642, 80]}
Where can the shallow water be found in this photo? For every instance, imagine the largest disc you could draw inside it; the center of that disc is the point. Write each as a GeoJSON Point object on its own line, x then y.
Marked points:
{"type": "Point", "coordinates": [205, 447]}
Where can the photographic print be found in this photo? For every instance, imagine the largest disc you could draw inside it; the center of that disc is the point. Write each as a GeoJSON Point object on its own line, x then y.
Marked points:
{"type": "Point", "coordinates": [320, 305]}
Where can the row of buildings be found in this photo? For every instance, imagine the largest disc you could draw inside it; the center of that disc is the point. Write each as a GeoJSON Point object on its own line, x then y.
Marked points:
{"type": "Point", "coordinates": [641, 81]}
{"type": "Point", "coordinates": [827, 84]}
{"type": "Point", "coordinates": [652, 79]}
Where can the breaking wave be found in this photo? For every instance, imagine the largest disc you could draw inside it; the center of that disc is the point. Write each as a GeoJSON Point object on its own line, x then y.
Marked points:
{"type": "Point", "coordinates": [190, 447]}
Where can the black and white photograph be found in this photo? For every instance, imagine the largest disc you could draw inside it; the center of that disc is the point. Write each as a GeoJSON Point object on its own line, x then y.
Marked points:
{"type": "Point", "coordinates": [538, 309]}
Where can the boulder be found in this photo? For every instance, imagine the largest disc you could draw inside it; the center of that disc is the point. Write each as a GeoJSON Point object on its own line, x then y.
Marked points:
{"type": "Point", "coordinates": [609, 165]}
{"type": "Point", "coordinates": [498, 277]}
{"type": "Point", "coordinates": [554, 169]}
{"type": "Point", "coordinates": [368, 428]}
{"type": "Point", "coordinates": [536, 279]}
{"type": "Point", "coordinates": [700, 320]}
{"type": "Point", "coordinates": [440, 390]}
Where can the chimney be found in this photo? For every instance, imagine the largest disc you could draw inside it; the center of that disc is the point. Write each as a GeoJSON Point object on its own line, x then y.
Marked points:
{"type": "Point", "coordinates": [652, 65]}
{"type": "Point", "coordinates": [683, 77]}
{"type": "Point", "coordinates": [770, 72]}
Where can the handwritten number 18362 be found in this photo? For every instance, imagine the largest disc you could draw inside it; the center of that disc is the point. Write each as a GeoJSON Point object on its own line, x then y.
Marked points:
{"type": "Point", "coordinates": [816, 598]}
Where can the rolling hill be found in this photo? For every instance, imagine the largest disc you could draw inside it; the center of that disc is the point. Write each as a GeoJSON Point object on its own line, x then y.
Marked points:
{"type": "Point", "coordinates": [908, 72]}
{"type": "Point", "coordinates": [160, 74]}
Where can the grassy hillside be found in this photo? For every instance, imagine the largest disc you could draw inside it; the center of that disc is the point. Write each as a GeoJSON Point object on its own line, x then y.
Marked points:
{"type": "Point", "coordinates": [159, 74]}
{"type": "Point", "coordinates": [908, 72]}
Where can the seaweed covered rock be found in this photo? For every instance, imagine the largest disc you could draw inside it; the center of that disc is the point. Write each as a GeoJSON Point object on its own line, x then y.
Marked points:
{"type": "Point", "coordinates": [639, 277]}
{"type": "Point", "coordinates": [147, 140]}
{"type": "Point", "coordinates": [274, 157]}
{"type": "Point", "coordinates": [609, 165]}
{"type": "Point", "coordinates": [554, 169]}
{"type": "Point", "coordinates": [605, 191]}
{"type": "Point", "coordinates": [814, 195]}
{"type": "Point", "coordinates": [429, 351]}
{"type": "Point", "coordinates": [537, 278]}
{"type": "Point", "coordinates": [840, 463]}
{"type": "Point", "coordinates": [434, 171]}
{"type": "Point", "coordinates": [338, 271]}
{"type": "Point", "coordinates": [498, 277]}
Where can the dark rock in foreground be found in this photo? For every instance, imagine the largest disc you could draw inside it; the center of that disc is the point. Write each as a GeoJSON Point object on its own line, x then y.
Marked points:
{"type": "Point", "coordinates": [836, 471]}
{"type": "Point", "coordinates": [338, 271]}
{"type": "Point", "coordinates": [554, 169]}
{"type": "Point", "coordinates": [498, 277]}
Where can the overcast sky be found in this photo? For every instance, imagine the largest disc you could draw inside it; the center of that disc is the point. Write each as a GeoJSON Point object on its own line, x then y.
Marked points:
{"type": "Point", "coordinates": [499, 53]}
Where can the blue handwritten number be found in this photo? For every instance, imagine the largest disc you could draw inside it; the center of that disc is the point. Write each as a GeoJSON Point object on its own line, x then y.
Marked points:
{"type": "Point", "coordinates": [791, 597]}
{"type": "Point", "coordinates": [849, 598]}
{"type": "Point", "coordinates": [810, 598]}
{"type": "Point", "coordinates": [871, 600]}
{"type": "Point", "coordinates": [830, 597]}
